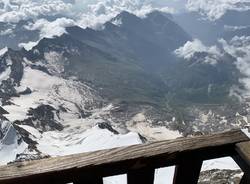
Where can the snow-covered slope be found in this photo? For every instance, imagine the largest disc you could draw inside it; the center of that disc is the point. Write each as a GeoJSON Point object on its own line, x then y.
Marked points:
{"type": "Point", "coordinates": [50, 114]}
{"type": "Point", "coordinates": [10, 144]}
{"type": "Point", "coordinates": [77, 140]}
{"type": "Point", "coordinates": [3, 51]}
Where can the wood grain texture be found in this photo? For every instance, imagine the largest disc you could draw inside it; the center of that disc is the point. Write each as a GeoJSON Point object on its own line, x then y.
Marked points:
{"type": "Point", "coordinates": [243, 160]}
{"type": "Point", "coordinates": [121, 160]}
{"type": "Point", "coordinates": [244, 151]}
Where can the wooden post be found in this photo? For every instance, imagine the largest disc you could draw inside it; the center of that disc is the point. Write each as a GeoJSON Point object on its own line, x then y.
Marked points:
{"type": "Point", "coordinates": [145, 176]}
{"type": "Point", "coordinates": [244, 180]}
{"type": "Point", "coordinates": [88, 180]}
{"type": "Point", "coordinates": [243, 160]}
{"type": "Point", "coordinates": [187, 172]}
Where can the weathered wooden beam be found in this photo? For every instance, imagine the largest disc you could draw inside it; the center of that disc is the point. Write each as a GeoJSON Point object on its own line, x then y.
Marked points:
{"type": "Point", "coordinates": [245, 180]}
{"type": "Point", "coordinates": [143, 175]}
{"type": "Point", "coordinates": [243, 160]}
{"type": "Point", "coordinates": [121, 160]}
{"type": "Point", "coordinates": [243, 149]}
{"type": "Point", "coordinates": [188, 171]}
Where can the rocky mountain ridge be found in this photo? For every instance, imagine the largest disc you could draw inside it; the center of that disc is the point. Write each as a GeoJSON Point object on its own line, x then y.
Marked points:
{"type": "Point", "coordinates": [113, 86]}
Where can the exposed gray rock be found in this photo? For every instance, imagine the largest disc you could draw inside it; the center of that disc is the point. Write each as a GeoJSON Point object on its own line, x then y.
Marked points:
{"type": "Point", "coordinates": [220, 177]}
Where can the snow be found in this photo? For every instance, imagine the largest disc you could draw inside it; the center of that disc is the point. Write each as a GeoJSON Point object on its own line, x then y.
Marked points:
{"type": "Point", "coordinates": [5, 74]}
{"type": "Point", "coordinates": [9, 146]}
{"type": "Point", "coordinates": [3, 51]}
{"type": "Point", "coordinates": [66, 142]}
{"type": "Point", "coordinates": [81, 135]}
{"type": "Point", "coordinates": [55, 62]}
{"type": "Point", "coordinates": [164, 175]}
{"type": "Point", "coordinates": [246, 132]}
{"type": "Point", "coordinates": [119, 179]}
{"type": "Point", "coordinates": [221, 163]}
{"type": "Point", "coordinates": [28, 46]}
{"type": "Point", "coordinates": [141, 125]}
{"type": "Point", "coordinates": [47, 89]}
{"type": "Point", "coordinates": [34, 132]}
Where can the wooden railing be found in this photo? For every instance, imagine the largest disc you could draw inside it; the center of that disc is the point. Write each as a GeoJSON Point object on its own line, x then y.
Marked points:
{"type": "Point", "coordinates": [138, 162]}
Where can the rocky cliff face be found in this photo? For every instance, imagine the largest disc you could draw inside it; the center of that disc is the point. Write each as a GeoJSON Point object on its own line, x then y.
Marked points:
{"type": "Point", "coordinates": [220, 176]}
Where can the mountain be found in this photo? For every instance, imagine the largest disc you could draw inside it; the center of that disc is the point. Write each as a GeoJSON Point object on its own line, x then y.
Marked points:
{"type": "Point", "coordinates": [120, 85]}
{"type": "Point", "coordinates": [13, 34]}
{"type": "Point", "coordinates": [232, 23]}
{"type": "Point", "coordinates": [149, 41]}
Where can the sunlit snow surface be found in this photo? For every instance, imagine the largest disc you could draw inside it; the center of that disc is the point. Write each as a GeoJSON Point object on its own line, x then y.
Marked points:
{"type": "Point", "coordinates": [47, 89]}
{"type": "Point", "coordinates": [9, 146]}
{"type": "Point", "coordinates": [3, 51]}
{"type": "Point", "coordinates": [71, 141]}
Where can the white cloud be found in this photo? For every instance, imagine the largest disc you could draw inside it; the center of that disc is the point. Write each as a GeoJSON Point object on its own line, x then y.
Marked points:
{"type": "Point", "coordinates": [239, 47]}
{"type": "Point", "coordinates": [47, 30]}
{"type": "Point", "coordinates": [188, 50]}
{"type": "Point", "coordinates": [86, 12]}
{"type": "Point", "coordinates": [99, 12]}
{"type": "Point", "coordinates": [215, 9]}
{"type": "Point", "coordinates": [51, 29]}
{"type": "Point", "coordinates": [16, 10]}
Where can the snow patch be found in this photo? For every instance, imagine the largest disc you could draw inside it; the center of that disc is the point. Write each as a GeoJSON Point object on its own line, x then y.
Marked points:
{"type": "Point", "coordinates": [141, 125]}
{"type": "Point", "coordinates": [246, 132]}
{"type": "Point", "coordinates": [5, 74]}
{"type": "Point", "coordinates": [55, 61]}
{"type": "Point", "coordinates": [29, 45]}
{"type": "Point", "coordinates": [221, 163]}
{"type": "Point", "coordinates": [47, 89]}
{"type": "Point", "coordinates": [3, 51]}
{"type": "Point", "coordinates": [9, 146]}
{"type": "Point", "coordinates": [65, 142]}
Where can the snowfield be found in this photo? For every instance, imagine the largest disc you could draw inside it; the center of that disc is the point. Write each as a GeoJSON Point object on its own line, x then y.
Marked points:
{"type": "Point", "coordinates": [80, 132]}
{"type": "Point", "coordinates": [9, 146]}
{"type": "Point", "coordinates": [71, 141]}
{"type": "Point", "coordinates": [47, 89]}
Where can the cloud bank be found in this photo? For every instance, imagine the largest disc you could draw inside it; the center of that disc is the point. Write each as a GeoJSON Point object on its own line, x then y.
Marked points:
{"type": "Point", "coordinates": [52, 16]}
{"type": "Point", "coordinates": [16, 10]}
{"type": "Point", "coordinates": [85, 12]}
{"type": "Point", "coordinates": [239, 48]}
{"type": "Point", "coordinates": [215, 9]}
{"type": "Point", "coordinates": [188, 50]}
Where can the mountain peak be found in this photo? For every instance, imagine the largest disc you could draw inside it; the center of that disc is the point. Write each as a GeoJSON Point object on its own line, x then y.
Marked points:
{"type": "Point", "coordinates": [159, 14]}
{"type": "Point", "coordinates": [159, 17]}
{"type": "Point", "coordinates": [125, 18]}
{"type": "Point", "coordinates": [126, 14]}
